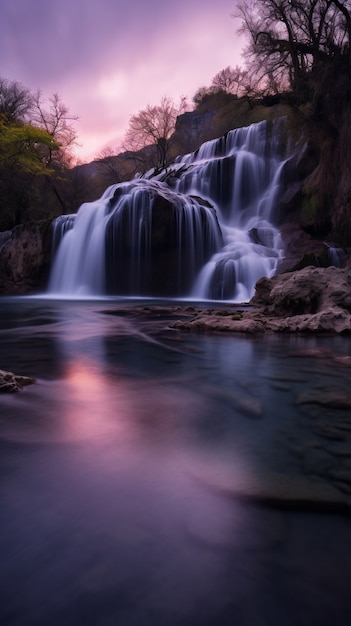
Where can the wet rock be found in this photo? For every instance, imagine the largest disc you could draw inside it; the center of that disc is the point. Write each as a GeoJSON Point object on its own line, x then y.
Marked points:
{"type": "Point", "coordinates": [282, 492]}
{"type": "Point", "coordinates": [333, 397]}
{"type": "Point", "coordinates": [300, 250]}
{"type": "Point", "coordinates": [307, 291]}
{"type": "Point", "coordinates": [324, 354]}
{"type": "Point", "coordinates": [311, 300]}
{"type": "Point", "coordinates": [329, 432]}
{"type": "Point", "coordinates": [11, 383]}
{"type": "Point", "coordinates": [203, 322]}
{"type": "Point", "coordinates": [242, 402]}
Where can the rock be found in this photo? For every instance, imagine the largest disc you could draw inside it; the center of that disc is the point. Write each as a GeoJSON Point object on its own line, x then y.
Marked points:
{"type": "Point", "coordinates": [241, 402]}
{"type": "Point", "coordinates": [205, 322]}
{"type": "Point", "coordinates": [323, 354]}
{"type": "Point", "coordinates": [311, 300]}
{"type": "Point", "coordinates": [10, 382]}
{"type": "Point", "coordinates": [165, 266]}
{"type": "Point", "coordinates": [333, 397]}
{"type": "Point", "coordinates": [25, 258]}
{"type": "Point", "coordinates": [300, 250]}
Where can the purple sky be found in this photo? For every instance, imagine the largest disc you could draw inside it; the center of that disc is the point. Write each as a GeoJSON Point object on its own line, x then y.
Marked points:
{"type": "Point", "coordinates": [108, 59]}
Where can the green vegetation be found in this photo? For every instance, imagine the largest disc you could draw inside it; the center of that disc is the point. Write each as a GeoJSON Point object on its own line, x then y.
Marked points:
{"type": "Point", "coordinates": [25, 147]}
{"type": "Point", "coordinates": [35, 141]}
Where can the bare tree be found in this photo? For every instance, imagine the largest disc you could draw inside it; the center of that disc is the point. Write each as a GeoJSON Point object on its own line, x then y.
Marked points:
{"type": "Point", "coordinates": [288, 39]}
{"type": "Point", "coordinates": [15, 101]}
{"type": "Point", "coordinates": [231, 80]}
{"type": "Point", "coordinates": [154, 126]}
{"type": "Point", "coordinates": [58, 122]}
{"type": "Point", "coordinates": [111, 166]}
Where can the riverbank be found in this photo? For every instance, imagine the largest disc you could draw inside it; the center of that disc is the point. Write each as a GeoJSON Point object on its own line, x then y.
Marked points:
{"type": "Point", "coordinates": [311, 300]}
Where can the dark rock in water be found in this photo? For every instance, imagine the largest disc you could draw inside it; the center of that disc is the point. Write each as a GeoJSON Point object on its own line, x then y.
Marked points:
{"type": "Point", "coordinates": [332, 397]}
{"type": "Point", "coordinates": [157, 241]}
{"type": "Point", "coordinates": [239, 401]}
{"type": "Point", "coordinates": [10, 382]}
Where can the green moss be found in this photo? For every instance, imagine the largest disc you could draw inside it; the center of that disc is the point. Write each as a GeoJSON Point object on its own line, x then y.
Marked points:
{"type": "Point", "coordinates": [238, 316]}
{"type": "Point", "coordinates": [309, 208]}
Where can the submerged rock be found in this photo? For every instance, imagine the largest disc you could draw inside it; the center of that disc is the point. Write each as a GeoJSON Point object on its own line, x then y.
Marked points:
{"type": "Point", "coordinates": [332, 397]}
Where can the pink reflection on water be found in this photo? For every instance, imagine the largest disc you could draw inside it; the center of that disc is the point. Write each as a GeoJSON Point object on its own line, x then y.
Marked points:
{"type": "Point", "coordinates": [143, 411]}
{"type": "Point", "coordinates": [95, 406]}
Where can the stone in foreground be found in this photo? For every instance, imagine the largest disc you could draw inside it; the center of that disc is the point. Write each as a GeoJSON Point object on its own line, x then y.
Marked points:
{"type": "Point", "coordinates": [10, 382]}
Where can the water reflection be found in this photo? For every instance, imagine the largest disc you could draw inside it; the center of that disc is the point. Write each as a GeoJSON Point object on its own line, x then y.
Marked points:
{"type": "Point", "coordinates": [130, 475]}
{"type": "Point", "coordinates": [89, 412]}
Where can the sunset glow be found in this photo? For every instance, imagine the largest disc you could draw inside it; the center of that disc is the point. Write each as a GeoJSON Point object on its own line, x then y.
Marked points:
{"type": "Point", "coordinates": [107, 60]}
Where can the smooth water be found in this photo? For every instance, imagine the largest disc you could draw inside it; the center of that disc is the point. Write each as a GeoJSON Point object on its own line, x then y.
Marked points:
{"type": "Point", "coordinates": [139, 476]}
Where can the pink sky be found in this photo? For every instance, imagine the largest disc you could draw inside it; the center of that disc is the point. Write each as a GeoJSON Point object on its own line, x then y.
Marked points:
{"type": "Point", "coordinates": [108, 59]}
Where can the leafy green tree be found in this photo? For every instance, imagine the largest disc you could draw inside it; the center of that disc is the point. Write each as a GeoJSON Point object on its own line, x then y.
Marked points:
{"type": "Point", "coordinates": [24, 146]}
{"type": "Point", "coordinates": [22, 161]}
{"type": "Point", "coordinates": [36, 138]}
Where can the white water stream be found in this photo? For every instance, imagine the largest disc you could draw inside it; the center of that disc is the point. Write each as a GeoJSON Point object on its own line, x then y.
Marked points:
{"type": "Point", "coordinates": [113, 246]}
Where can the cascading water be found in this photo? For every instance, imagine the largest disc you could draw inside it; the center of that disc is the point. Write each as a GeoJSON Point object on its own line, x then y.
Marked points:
{"type": "Point", "coordinates": [241, 173]}
{"type": "Point", "coordinates": [140, 238]}
{"type": "Point", "coordinates": [203, 228]}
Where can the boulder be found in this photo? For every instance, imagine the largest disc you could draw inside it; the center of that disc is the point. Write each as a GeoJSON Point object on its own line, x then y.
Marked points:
{"type": "Point", "coordinates": [311, 300]}
{"type": "Point", "coordinates": [301, 250]}
{"type": "Point", "coordinates": [307, 291]}
{"type": "Point", "coordinates": [160, 238]}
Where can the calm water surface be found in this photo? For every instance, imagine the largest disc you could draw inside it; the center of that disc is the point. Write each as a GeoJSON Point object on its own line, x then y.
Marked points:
{"type": "Point", "coordinates": [124, 472]}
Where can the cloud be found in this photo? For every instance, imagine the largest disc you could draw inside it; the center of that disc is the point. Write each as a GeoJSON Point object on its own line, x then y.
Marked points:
{"type": "Point", "coordinates": [109, 59]}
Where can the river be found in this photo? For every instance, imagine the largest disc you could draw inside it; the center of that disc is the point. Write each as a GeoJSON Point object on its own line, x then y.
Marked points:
{"type": "Point", "coordinates": [146, 476]}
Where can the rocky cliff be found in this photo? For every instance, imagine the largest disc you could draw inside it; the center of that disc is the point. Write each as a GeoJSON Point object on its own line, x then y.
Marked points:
{"type": "Point", "coordinates": [25, 254]}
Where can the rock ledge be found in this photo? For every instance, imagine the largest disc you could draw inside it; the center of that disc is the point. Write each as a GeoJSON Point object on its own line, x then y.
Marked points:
{"type": "Point", "coordinates": [311, 300]}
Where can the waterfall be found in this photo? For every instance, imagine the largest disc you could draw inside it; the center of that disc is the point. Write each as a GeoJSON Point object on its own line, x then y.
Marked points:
{"type": "Point", "coordinates": [336, 256]}
{"type": "Point", "coordinates": [78, 267]}
{"type": "Point", "coordinates": [241, 173]}
{"type": "Point", "coordinates": [203, 228]}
